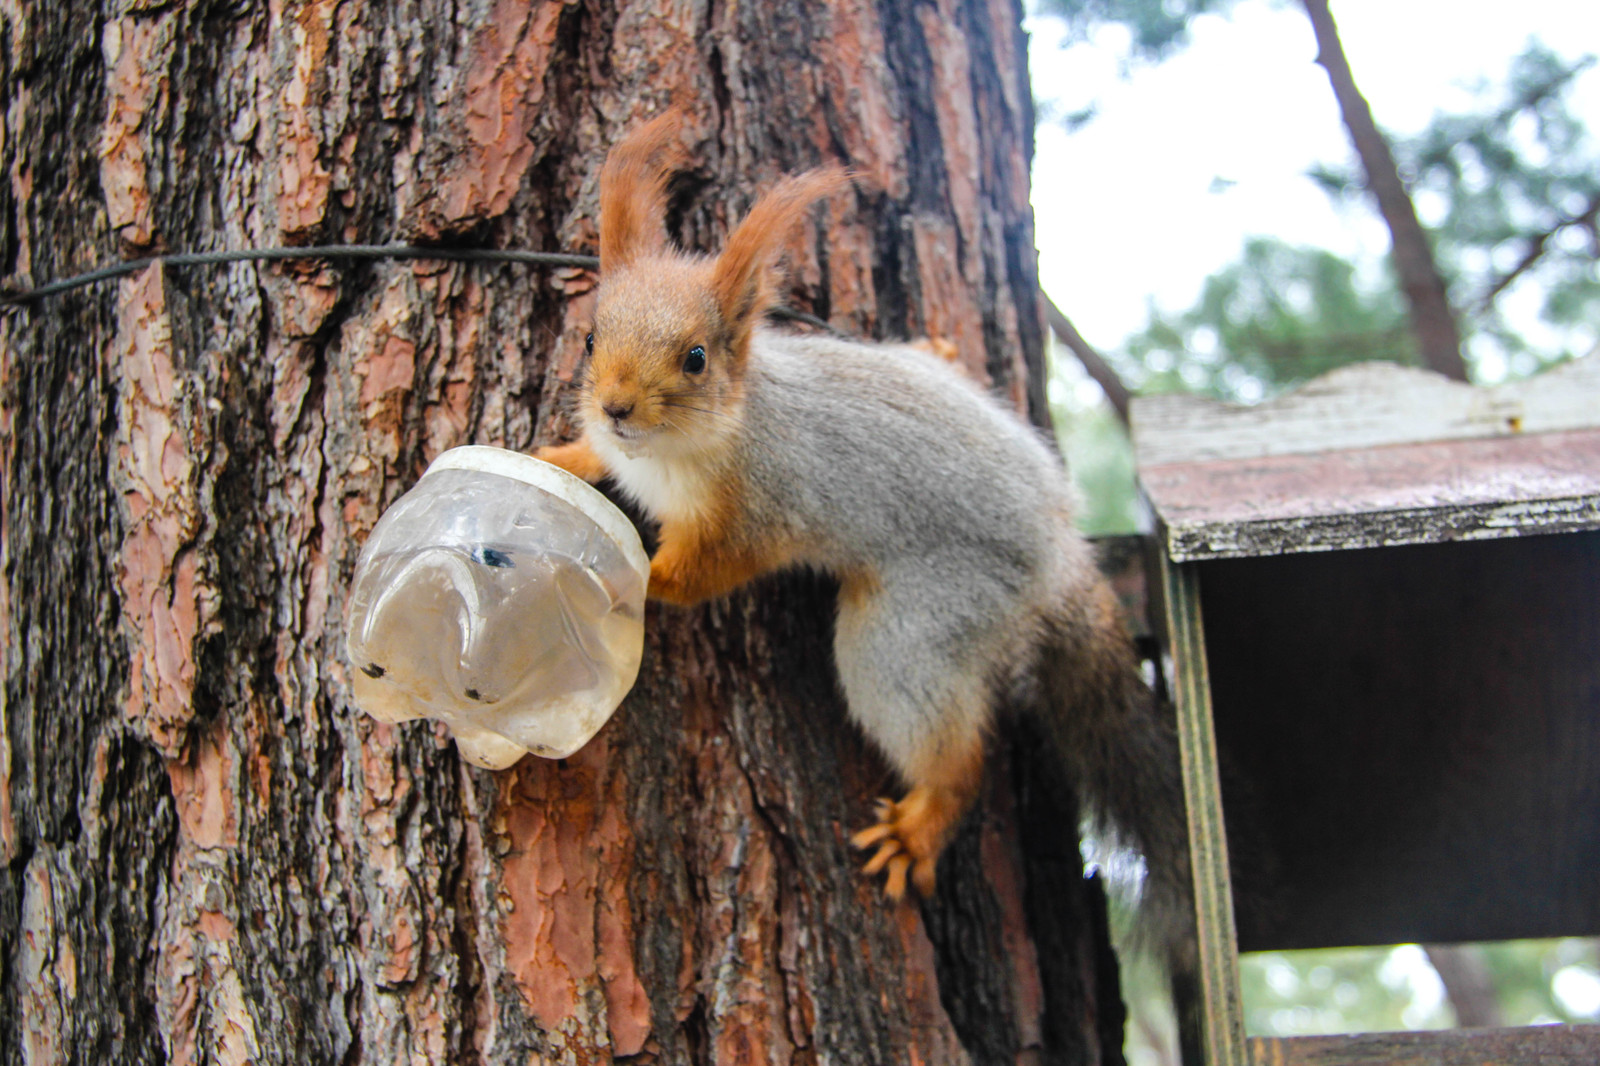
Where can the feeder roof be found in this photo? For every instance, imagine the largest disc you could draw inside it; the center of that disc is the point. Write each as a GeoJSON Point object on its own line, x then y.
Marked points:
{"type": "Point", "coordinates": [1373, 455]}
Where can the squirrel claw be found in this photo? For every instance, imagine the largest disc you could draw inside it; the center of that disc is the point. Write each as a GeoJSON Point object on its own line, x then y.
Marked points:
{"type": "Point", "coordinates": [873, 834]}
{"type": "Point", "coordinates": [908, 836]}
{"type": "Point", "coordinates": [895, 885]}
{"type": "Point", "coordinates": [888, 851]}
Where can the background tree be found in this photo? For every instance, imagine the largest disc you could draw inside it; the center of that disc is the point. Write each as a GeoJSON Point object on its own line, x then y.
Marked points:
{"type": "Point", "coordinates": [1158, 29]}
{"type": "Point", "coordinates": [1432, 318]}
{"type": "Point", "coordinates": [1510, 192]}
{"type": "Point", "coordinates": [1278, 316]}
{"type": "Point", "coordinates": [1511, 189]}
{"type": "Point", "coordinates": [1514, 187]}
{"type": "Point", "coordinates": [206, 853]}
{"type": "Point", "coordinates": [1508, 189]}
{"type": "Point", "coordinates": [1514, 184]}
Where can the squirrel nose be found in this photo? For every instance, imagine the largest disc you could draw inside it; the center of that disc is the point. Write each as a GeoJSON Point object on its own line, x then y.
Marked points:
{"type": "Point", "coordinates": [617, 411]}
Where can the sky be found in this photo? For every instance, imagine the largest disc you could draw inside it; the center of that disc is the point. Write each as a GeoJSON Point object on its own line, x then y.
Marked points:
{"type": "Point", "coordinates": [1130, 208]}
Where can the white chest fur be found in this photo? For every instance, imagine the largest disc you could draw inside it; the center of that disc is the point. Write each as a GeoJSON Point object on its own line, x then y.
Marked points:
{"type": "Point", "coordinates": [667, 487]}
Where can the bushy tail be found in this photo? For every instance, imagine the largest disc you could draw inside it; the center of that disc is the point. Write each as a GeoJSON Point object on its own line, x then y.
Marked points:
{"type": "Point", "coordinates": [1121, 748]}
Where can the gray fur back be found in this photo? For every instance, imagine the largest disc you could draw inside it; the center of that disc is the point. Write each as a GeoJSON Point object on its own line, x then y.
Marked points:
{"type": "Point", "coordinates": [880, 455]}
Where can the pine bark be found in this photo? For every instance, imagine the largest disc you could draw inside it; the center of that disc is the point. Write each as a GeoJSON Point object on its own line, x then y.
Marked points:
{"type": "Point", "coordinates": [208, 854]}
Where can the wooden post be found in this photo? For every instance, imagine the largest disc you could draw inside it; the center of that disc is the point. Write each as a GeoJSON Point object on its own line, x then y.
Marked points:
{"type": "Point", "coordinates": [1221, 1016]}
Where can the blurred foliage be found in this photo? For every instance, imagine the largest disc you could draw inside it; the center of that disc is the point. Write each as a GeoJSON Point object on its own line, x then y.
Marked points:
{"type": "Point", "coordinates": [1278, 316]}
{"type": "Point", "coordinates": [1274, 318]}
{"type": "Point", "coordinates": [1370, 990]}
{"type": "Point", "coordinates": [1510, 191]}
{"type": "Point", "coordinates": [1158, 27]}
{"type": "Point", "coordinates": [1096, 447]}
{"type": "Point", "coordinates": [1541, 981]}
{"type": "Point", "coordinates": [1343, 990]}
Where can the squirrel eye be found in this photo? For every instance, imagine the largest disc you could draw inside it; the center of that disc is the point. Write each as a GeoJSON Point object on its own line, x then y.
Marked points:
{"type": "Point", "coordinates": [588, 344]}
{"type": "Point", "coordinates": [695, 361]}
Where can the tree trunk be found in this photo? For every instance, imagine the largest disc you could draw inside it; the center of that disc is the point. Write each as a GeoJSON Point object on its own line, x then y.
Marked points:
{"type": "Point", "coordinates": [1433, 321]}
{"type": "Point", "coordinates": [209, 854]}
{"type": "Point", "coordinates": [1468, 983]}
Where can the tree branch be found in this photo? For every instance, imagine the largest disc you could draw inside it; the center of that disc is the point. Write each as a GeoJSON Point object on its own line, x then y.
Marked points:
{"type": "Point", "coordinates": [1432, 319]}
{"type": "Point", "coordinates": [1498, 121]}
{"type": "Point", "coordinates": [1536, 249]}
{"type": "Point", "coordinates": [1098, 369]}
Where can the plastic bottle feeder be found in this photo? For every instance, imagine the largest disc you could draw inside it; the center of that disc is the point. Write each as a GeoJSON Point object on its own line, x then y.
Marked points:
{"type": "Point", "coordinates": [504, 597]}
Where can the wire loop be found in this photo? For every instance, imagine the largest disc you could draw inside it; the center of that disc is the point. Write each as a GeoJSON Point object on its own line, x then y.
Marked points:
{"type": "Point", "coordinates": [320, 251]}
{"type": "Point", "coordinates": [338, 251]}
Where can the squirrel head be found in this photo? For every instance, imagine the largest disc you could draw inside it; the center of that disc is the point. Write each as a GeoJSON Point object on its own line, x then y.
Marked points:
{"type": "Point", "coordinates": [672, 330]}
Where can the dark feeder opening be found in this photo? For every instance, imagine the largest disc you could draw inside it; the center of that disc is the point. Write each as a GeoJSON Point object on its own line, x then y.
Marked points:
{"type": "Point", "coordinates": [1419, 728]}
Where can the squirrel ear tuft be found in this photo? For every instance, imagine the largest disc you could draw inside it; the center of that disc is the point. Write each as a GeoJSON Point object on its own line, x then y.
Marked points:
{"type": "Point", "coordinates": [633, 190]}
{"type": "Point", "coordinates": [742, 279]}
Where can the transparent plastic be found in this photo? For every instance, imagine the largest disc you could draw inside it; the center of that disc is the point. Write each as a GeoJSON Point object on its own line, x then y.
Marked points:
{"type": "Point", "coordinates": [504, 597]}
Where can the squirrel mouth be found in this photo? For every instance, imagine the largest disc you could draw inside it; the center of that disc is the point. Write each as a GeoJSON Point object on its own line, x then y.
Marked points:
{"type": "Point", "coordinates": [627, 432]}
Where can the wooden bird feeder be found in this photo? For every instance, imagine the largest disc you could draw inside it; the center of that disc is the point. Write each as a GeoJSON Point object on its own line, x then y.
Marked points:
{"type": "Point", "coordinates": [1382, 606]}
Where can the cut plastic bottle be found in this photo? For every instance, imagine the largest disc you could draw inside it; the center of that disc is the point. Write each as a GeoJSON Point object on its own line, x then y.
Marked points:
{"type": "Point", "coordinates": [504, 597]}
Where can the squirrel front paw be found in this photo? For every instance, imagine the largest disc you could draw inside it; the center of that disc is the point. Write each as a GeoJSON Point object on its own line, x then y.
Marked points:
{"type": "Point", "coordinates": [909, 836]}
{"type": "Point", "coordinates": [694, 564]}
{"type": "Point", "coordinates": [575, 458]}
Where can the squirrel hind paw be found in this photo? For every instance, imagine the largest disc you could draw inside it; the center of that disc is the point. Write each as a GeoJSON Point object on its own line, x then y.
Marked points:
{"type": "Point", "coordinates": [908, 837]}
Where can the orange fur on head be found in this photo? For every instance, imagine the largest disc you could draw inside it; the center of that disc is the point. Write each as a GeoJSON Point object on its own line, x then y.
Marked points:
{"type": "Point", "coordinates": [633, 191]}
{"type": "Point", "coordinates": [743, 279]}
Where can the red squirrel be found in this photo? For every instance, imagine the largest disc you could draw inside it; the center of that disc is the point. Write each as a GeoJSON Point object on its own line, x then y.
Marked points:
{"type": "Point", "coordinates": [947, 521]}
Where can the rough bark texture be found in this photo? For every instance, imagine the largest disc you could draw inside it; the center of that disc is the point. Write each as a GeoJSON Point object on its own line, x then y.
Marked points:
{"type": "Point", "coordinates": [1433, 321]}
{"type": "Point", "coordinates": [208, 855]}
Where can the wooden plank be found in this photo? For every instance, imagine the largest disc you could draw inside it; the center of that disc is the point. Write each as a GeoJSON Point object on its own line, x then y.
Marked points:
{"type": "Point", "coordinates": [1404, 494]}
{"type": "Point", "coordinates": [1222, 1014]}
{"type": "Point", "coordinates": [1552, 1045]}
{"type": "Point", "coordinates": [1365, 405]}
